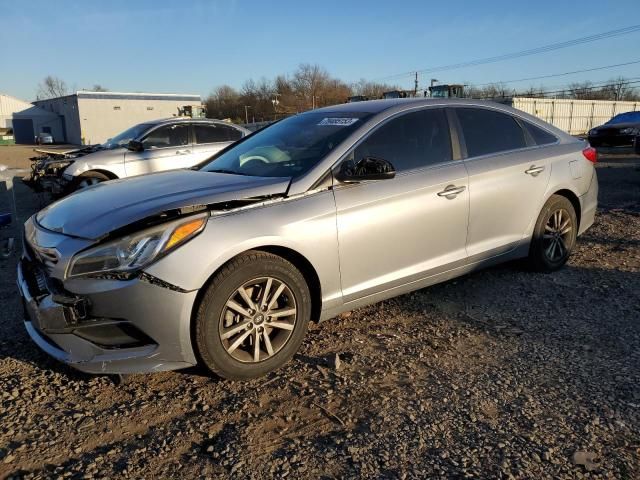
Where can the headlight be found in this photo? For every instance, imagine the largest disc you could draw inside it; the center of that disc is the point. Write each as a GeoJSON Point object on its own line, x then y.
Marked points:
{"type": "Point", "coordinates": [58, 164]}
{"type": "Point", "coordinates": [133, 252]}
{"type": "Point", "coordinates": [593, 132]}
{"type": "Point", "coordinates": [629, 131]}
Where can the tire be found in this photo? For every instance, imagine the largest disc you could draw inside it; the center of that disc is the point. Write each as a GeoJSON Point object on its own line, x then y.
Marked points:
{"type": "Point", "coordinates": [88, 179]}
{"type": "Point", "coordinates": [557, 216]}
{"type": "Point", "coordinates": [235, 357]}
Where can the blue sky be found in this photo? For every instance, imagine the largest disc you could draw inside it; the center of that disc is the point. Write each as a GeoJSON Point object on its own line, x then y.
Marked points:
{"type": "Point", "coordinates": [192, 46]}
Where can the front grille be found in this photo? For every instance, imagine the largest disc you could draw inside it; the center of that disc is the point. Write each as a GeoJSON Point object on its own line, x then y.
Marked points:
{"type": "Point", "coordinates": [35, 277]}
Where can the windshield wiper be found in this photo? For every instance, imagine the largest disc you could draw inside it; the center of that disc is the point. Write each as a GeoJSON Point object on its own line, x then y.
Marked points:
{"type": "Point", "coordinates": [230, 172]}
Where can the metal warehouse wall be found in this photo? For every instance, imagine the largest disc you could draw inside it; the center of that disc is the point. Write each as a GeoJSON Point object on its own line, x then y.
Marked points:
{"type": "Point", "coordinates": [103, 118]}
{"type": "Point", "coordinates": [573, 116]}
{"type": "Point", "coordinates": [68, 108]}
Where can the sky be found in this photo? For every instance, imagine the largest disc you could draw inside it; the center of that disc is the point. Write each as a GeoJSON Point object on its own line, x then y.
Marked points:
{"type": "Point", "coordinates": [192, 46]}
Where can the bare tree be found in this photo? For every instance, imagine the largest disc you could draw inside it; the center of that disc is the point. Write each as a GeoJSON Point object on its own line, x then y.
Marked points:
{"type": "Point", "coordinates": [583, 91]}
{"type": "Point", "coordinates": [308, 81]}
{"type": "Point", "coordinates": [51, 87]}
{"type": "Point", "coordinates": [619, 89]}
{"type": "Point", "coordinates": [99, 88]}
{"type": "Point", "coordinates": [371, 90]}
{"type": "Point", "coordinates": [223, 102]}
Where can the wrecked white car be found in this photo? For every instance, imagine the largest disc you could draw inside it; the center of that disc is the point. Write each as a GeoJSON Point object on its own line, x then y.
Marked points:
{"type": "Point", "coordinates": [149, 147]}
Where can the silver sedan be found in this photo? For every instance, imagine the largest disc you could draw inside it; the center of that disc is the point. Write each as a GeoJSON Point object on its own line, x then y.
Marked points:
{"type": "Point", "coordinates": [315, 215]}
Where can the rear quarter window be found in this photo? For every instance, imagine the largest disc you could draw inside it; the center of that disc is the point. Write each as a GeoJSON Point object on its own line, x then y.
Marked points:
{"type": "Point", "coordinates": [540, 136]}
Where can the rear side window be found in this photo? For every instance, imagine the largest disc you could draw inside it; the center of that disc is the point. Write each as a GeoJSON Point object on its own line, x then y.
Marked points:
{"type": "Point", "coordinates": [414, 140]}
{"type": "Point", "coordinates": [540, 136]}
{"type": "Point", "coordinates": [209, 134]}
{"type": "Point", "coordinates": [216, 133]}
{"type": "Point", "coordinates": [488, 131]}
{"type": "Point", "coordinates": [233, 134]}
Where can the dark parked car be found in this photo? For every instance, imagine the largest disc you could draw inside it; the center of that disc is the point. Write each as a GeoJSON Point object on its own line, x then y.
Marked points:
{"type": "Point", "coordinates": [621, 131]}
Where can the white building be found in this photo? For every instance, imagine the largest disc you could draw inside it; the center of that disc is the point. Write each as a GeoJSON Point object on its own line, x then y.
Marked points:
{"type": "Point", "coordinates": [94, 117]}
{"type": "Point", "coordinates": [26, 120]}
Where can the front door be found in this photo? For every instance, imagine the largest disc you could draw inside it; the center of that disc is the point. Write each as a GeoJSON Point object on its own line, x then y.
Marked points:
{"type": "Point", "coordinates": [165, 148]}
{"type": "Point", "coordinates": [393, 232]}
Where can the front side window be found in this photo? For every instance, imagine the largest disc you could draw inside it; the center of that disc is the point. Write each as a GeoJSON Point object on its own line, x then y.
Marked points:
{"type": "Point", "coordinates": [168, 136]}
{"type": "Point", "coordinates": [488, 131]}
{"type": "Point", "coordinates": [414, 140]}
{"type": "Point", "coordinates": [288, 148]}
{"type": "Point", "coordinates": [122, 139]}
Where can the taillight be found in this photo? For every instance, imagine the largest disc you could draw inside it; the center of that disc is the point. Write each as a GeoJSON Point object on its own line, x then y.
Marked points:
{"type": "Point", "coordinates": [590, 154]}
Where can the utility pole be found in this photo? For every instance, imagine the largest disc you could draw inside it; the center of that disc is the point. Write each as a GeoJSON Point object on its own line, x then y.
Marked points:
{"type": "Point", "coordinates": [415, 85]}
{"type": "Point", "coordinates": [246, 113]}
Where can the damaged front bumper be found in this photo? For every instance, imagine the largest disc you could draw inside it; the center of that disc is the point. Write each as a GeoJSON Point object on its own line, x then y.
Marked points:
{"type": "Point", "coordinates": [47, 175]}
{"type": "Point", "coordinates": [110, 326]}
{"type": "Point", "coordinates": [56, 185]}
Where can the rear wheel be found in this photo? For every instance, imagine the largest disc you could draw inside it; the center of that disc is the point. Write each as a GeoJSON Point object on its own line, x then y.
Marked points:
{"type": "Point", "coordinates": [554, 235]}
{"type": "Point", "coordinates": [253, 316]}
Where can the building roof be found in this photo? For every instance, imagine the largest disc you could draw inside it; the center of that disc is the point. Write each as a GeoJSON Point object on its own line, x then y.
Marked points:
{"type": "Point", "coordinates": [184, 97]}
{"type": "Point", "coordinates": [14, 107]}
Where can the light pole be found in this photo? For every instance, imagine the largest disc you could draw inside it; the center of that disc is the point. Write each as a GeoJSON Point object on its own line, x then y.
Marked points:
{"type": "Point", "coordinates": [246, 113]}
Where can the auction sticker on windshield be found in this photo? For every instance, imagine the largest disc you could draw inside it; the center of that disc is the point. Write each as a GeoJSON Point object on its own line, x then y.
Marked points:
{"type": "Point", "coordinates": [338, 122]}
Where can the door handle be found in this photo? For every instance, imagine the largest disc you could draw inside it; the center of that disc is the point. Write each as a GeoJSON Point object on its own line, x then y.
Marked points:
{"type": "Point", "coordinates": [451, 191]}
{"type": "Point", "coordinates": [183, 152]}
{"type": "Point", "coordinates": [533, 170]}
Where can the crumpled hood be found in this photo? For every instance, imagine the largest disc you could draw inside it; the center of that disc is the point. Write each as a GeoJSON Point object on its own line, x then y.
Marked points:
{"type": "Point", "coordinates": [96, 211]}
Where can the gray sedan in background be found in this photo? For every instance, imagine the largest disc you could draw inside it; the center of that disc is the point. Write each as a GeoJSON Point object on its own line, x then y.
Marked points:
{"type": "Point", "coordinates": [154, 146]}
{"type": "Point", "coordinates": [315, 215]}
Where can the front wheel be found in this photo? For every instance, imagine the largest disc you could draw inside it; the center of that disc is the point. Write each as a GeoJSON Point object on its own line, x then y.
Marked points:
{"type": "Point", "coordinates": [554, 235]}
{"type": "Point", "coordinates": [88, 179]}
{"type": "Point", "coordinates": [252, 317]}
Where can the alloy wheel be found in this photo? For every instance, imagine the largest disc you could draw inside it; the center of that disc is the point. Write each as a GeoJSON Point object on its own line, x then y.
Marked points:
{"type": "Point", "coordinates": [556, 237]}
{"type": "Point", "coordinates": [88, 181]}
{"type": "Point", "coordinates": [258, 319]}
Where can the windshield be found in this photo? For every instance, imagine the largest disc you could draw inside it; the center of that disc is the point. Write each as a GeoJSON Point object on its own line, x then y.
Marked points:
{"type": "Point", "coordinates": [625, 117]}
{"type": "Point", "coordinates": [123, 138]}
{"type": "Point", "coordinates": [290, 147]}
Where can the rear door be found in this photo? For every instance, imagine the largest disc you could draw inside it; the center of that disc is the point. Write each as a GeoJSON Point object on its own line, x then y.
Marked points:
{"type": "Point", "coordinates": [392, 232]}
{"type": "Point", "coordinates": [508, 175]}
{"type": "Point", "coordinates": [210, 138]}
{"type": "Point", "coordinates": [167, 147]}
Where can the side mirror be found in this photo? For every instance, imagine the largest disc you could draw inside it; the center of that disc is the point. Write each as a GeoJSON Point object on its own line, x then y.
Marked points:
{"type": "Point", "coordinates": [135, 146]}
{"type": "Point", "coordinates": [369, 168]}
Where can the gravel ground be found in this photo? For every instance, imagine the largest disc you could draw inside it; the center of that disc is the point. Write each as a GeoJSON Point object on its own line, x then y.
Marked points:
{"type": "Point", "coordinates": [499, 374]}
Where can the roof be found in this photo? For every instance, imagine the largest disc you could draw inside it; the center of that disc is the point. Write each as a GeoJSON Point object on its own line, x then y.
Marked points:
{"type": "Point", "coordinates": [377, 106]}
{"type": "Point", "coordinates": [161, 121]}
